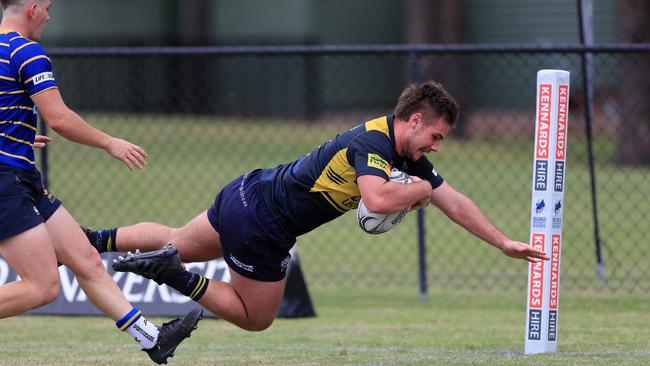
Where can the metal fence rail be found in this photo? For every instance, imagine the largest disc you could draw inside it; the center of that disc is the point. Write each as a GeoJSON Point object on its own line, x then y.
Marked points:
{"type": "Point", "coordinates": [208, 114]}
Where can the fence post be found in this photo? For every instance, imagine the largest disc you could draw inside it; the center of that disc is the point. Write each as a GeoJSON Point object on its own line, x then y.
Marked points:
{"type": "Point", "coordinates": [585, 10]}
{"type": "Point", "coordinates": [416, 77]}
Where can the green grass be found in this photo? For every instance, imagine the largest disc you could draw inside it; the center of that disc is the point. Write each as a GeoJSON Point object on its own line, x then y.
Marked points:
{"type": "Point", "coordinates": [361, 328]}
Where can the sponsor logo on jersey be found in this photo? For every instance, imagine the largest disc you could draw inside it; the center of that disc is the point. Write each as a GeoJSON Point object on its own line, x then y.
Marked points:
{"type": "Point", "coordinates": [376, 161]}
{"type": "Point", "coordinates": [43, 77]}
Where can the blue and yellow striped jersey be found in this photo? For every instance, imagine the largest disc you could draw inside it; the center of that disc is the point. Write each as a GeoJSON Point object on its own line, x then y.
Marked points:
{"type": "Point", "coordinates": [25, 70]}
{"type": "Point", "coordinates": [322, 185]}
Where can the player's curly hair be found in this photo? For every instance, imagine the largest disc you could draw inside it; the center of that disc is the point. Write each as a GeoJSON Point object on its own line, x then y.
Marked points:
{"type": "Point", "coordinates": [427, 97]}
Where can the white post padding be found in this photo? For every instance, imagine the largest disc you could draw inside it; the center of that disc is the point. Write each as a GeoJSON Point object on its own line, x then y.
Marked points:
{"type": "Point", "coordinates": [549, 169]}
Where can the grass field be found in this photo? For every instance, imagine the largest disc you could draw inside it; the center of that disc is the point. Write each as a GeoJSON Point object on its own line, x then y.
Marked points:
{"type": "Point", "coordinates": [364, 287]}
{"type": "Point", "coordinates": [361, 328]}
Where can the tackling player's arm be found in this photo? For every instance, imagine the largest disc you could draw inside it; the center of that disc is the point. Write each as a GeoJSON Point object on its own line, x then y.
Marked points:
{"type": "Point", "coordinates": [386, 197]}
{"type": "Point", "coordinates": [70, 125]}
{"type": "Point", "coordinates": [461, 210]}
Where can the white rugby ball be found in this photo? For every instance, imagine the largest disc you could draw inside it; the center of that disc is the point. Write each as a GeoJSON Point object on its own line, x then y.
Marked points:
{"type": "Point", "coordinates": [374, 223]}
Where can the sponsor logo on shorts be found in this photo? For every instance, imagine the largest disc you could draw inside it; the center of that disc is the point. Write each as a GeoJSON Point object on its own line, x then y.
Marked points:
{"type": "Point", "coordinates": [43, 77]}
{"type": "Point", "coordinates": [245, 267]}
{"type": "Point", "coordinates": [285, 263]}
{"type": "Point", "coordinates": [376, 161]}
{"type": "Point", "coordinates": [242, 192]}
{"type": "Point", "coordinates": [36, 210]}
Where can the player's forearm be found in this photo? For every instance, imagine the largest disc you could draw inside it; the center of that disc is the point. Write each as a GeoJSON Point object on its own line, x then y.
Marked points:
{"type": "Point", "coordinates": [71, 126]}
{"type": "Point", "coordinates": [395, 197]}
{"type": "Point", "coordinates": [470, 217]}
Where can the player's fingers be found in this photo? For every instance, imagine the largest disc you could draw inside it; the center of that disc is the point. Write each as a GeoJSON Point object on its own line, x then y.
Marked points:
{"type": "Point", "coordinates": [128, 164]}
{"type": "Point", "coordinates": [141, 151]}
{"type": "Point", "coordinates": [140, 157]}
{"type": "Point", "coordinates": [135, 160]}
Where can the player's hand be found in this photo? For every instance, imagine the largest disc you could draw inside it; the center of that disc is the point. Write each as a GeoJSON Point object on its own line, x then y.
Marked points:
{"type": "Point", "coordinates": [40, 141]}
{"type": "Point", "coordinates": [133, 156]}
{"type": "Point", "coordinates": [520, 250]}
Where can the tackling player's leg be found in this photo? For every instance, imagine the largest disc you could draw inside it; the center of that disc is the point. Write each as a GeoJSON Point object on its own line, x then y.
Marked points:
{"type": "Point", "coordinates": [31, 255]}
{"type": "Point", "coordinates": [73, 250]}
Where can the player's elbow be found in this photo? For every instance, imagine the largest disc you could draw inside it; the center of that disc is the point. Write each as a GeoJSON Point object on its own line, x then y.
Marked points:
{"type": "Point", "coordinates": [56, 119]}
{"type": "Point", "coordinates": [378, 205]}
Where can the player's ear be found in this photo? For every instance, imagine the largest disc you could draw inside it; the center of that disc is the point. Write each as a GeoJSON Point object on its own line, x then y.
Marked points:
{"type": "Point", "coordinates": [30, 9]}
{"type": "Point", "coordinates": [415, 119]}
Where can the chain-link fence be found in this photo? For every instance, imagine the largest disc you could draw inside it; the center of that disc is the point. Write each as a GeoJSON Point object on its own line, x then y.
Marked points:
{"type": "Point", "coordinates": [207, 115]}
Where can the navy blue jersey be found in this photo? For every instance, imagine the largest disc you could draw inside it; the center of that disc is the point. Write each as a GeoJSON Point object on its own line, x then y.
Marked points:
{"type": "Point", "coordinates": [25, 70]}
{"type": "Point", "coordinates": [322, 185]}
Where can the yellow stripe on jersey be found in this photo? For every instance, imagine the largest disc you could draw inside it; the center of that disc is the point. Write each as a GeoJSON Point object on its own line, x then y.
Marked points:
{"type": "Point", "coordinates": [20, 47]}
{"type": "Point", "coordinates": [337, 183]}
{"type": "Point", "coordinates": [14, 92]}
{"type": "Point", "coordinates": [7, 78]}
{"type": "Point", "coordinates": [15, 139]}
{"type": "Point", "coordinates": [378, 124]}
{"type": "Point", "coordinates": [30, 60]}
{"type": "Point", "coordinates": [19, 123]}
{"type": "Point", "coordinates": [27, 108]}
{"type": "Point", "coordinates": [16, 37]}
{"type": "Point", "coordinates": [4, 61]}
{"type": "Point", "coordinates": [17, 157]}
{"type": "Point", "coordinates": [332, 202]}
{"type": "Point", "coordinates": [4, 44]}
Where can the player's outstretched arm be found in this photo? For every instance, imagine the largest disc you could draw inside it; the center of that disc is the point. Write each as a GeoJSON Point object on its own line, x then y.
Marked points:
{"type": "Point", "coordinates": [70, 125]}
{"type": "Point", "coordinates": [465, 213]}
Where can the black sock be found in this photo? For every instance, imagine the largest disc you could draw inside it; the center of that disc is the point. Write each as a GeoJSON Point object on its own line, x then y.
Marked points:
{"type": "Point", "coordinates": [187, 283]}
{"type": "Point", "coordinates": [103, 240]}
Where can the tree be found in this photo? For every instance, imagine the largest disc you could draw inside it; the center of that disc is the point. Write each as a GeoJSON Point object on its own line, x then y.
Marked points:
{"type": "Point", "coordinates": [634, 137]}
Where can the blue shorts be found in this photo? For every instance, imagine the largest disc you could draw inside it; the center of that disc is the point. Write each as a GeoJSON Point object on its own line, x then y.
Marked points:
{"type": "Point", "coordinates": [24, 202]}
{"type": "Point", "coordinates": [254, 244]}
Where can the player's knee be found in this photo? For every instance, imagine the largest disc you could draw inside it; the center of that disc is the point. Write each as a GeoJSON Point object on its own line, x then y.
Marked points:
{"type": "Point", "coordinates": [91, 266]}
{"type": "Point", "coordinates": [259, 324]}
{"type": "Point", "coordinates": [46, 292]}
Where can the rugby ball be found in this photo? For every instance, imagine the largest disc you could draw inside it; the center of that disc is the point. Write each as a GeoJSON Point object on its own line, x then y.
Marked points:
{"type": "Point", "coordinates": [373, 223]}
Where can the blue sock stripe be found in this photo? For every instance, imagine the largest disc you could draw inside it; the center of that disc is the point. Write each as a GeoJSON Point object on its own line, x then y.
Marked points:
{"type": "Point", "coordinates": [129, 319]}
